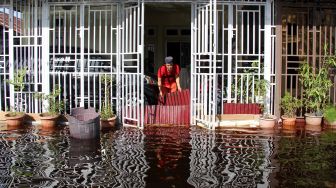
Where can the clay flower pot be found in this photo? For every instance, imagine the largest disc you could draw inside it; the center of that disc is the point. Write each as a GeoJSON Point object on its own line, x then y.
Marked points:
{"type": "Point", "coordinates": [48, 121]}
{"type": "Point", "coordinates": [108, 123]}
{"type": "Point", "coordinates": [267, 122]}
{"type": "Point", "coordinates": [15, 120]}
{"type": "Point", "coordinates": [288, 122]}
{"type": "Point", "coordinates": [313, 120]}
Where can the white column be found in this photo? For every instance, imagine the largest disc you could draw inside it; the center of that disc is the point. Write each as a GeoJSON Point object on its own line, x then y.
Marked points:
{"type": "Point", "coordinates": [35, 53]}
{"type": "Point", "coordinates": [214, 64]}
{"type": "Point", "coordinates": [192, 66]}
{"type": "Point", "coordinates": [82, 15]}
{"type": "Point", "coordinates": [45, 51]}
{"type": "Point", "coordinates": [118, 59]}
{"type": "Point", "coordinates": [141, 51]}
{"type": "Point", "coordinates": [268, 51]}
{"type": "Point", "coordinates": [230, 36]}
{"type": "Point", "coordinates": [11, 54]}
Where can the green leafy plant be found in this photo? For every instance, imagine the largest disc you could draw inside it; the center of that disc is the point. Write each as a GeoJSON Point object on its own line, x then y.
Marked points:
{"type": "Point", "coordinates": [19, 86]}
{"type": "Point", "coordinates": [106, 110]}
{"type": "Point", "coordinates": [289, 105]}
{"type": "Point", "coordinates": [53, 106]}
{"type": "Point", "coordinates": [253, 83]}
{"type": "Point", "coordinates": [330, 113]}
{"type": "Point", "coordinates": [316, 84]}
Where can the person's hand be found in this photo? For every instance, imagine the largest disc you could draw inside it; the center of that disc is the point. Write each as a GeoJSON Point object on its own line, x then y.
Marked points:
{"type": "Point", "coordinates": [179, 89]}
{"type": "Point", "coordinates": [161, 94]}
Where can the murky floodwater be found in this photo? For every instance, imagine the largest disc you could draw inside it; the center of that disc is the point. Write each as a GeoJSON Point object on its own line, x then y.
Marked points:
{"type": "Point", "coordinates": [168, 157]}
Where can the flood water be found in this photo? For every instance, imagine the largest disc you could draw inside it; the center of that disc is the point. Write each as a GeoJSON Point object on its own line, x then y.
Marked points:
{"type": "Point", "coordinates": [170, 156]}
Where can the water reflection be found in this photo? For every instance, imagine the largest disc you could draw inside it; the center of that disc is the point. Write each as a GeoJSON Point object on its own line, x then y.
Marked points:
{"type": "Point", "coordinates": [172, 156]}
{"type": "Point", "coordinates": [225, 159]}
{"type": "Point", "coordinates": [307, 160]}
{"type": "Point", "coordinates": [128, 158]}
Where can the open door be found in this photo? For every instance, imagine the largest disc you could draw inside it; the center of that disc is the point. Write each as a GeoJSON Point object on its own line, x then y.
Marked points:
{"type": "Point", "coordinates": [132, 63]}
{"type": "Point", "coordinates": [203, 64]}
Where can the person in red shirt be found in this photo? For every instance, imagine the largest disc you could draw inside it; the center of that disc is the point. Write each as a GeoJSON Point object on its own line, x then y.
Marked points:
{"type": "Point", "coordinates": [169, 77]}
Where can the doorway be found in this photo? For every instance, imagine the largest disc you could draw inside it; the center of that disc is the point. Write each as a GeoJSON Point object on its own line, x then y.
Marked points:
{"type": "Point", "coordinates": [180, 51]}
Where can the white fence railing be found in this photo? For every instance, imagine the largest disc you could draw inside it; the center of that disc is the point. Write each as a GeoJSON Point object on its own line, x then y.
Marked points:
{"type": "Point", "coordinates": [96, 88]}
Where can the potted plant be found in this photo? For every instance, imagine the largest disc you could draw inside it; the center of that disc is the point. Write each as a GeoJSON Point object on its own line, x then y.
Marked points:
{"type": "Point", "coordinates": [107, 117]}
{"type": "Point", "coordinates": [266, 120]}
{"type": "Point", "coordinates": [52, 107]}
{"type": "Point", "coordinates": [16, 115]}
{"type": "Point", "coordinates": [316, 86]}
{"type": "Point", "coordinates": [330, 116]}
{"type": "Point", "coordinates": [289, 106]}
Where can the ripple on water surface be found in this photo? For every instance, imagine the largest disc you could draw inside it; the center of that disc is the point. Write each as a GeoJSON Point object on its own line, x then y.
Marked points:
{"type": "Point", "coordinates": [170, 156]}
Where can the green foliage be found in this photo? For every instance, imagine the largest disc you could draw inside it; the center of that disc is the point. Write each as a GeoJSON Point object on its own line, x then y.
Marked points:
{"type": "Point", "coordinates": [330, 113]}
{"type": "Point", "coordinates": [13, 113]}
{"type": "Point", "coordinates": [106, 110]}
{"type": "Point", "coordinates": [19, 85]}
{"type": "Point", "coordinates": [290, 104]}
{"type": "Point", "coordinates": [258, 87]}
{"type": "Point", "coordinates": [316, 84]}
{"type": "Point", "coordinates": [18, 80]}
{"type": "Point", "coordinates": [54, 106]}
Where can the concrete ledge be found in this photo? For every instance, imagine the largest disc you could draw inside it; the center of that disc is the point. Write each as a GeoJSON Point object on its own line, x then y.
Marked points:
{"type": "Point", "coordinates": [235, 121]}
{"type": "Point", "coordinates": [239, 120]}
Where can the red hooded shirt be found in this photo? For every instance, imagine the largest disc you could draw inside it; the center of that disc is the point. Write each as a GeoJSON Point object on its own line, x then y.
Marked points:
{"type": "Point", "coordinates": [168, 78]}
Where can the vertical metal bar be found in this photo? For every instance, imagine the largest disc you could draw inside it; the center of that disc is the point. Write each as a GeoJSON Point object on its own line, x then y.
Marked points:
{"type": "Point", "coordinates": [268, 51]}
{"type": "Point", "coordinates": [253, 33]}
{"type": "Point", "coordinates": [45, 51]}
{"type": "Point", "coordinates": [192, 66]}
{"type": "Point", "coordinates": [118, 51]}
{"type": "Point", "coordinates": [100, 32]}
{"type": "Point", "coordinates": [141, 49]}
{"type": "Point", "coordinates": [214, 68]}
{"type": "Point", "coordinates": [105, 33]}
{"type": "Point", "coordinates": [230, 37]}
{"type": "Point", "coordinates": [11, 53]}
{"type": "Point", "coordinates": [248, 32]}
{"type": "Point", "coordinates": [94, 31]}
{"type": "Point", "coordinates": [36, 48]}
{"type": "Point", "coordinates": [82, 13]}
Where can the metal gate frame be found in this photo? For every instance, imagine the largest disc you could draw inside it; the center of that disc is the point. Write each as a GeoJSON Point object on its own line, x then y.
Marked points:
{"type": "Point", "coordinates": [224, 59]}
{"type": "Point", "coordinates": [84, 54]}
{"type": "Point", "coordinates": [132, 63]}
{"type": "Point", "coordinates": [4, 57]}
{"type": "Point", "coordinates": [203, 63]}
{"type": "Point", "coordinates": [25, 52]}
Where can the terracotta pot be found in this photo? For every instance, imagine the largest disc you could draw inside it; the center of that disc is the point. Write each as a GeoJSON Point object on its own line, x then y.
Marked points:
{"type": "Point", "coordinates": [267, 123]}
{"type": "Point", "coordinates": [15, 121]}
{"type": "Point", "coordinates": [48, 121]}
{"type": "Point", "coordinates": [109, 123]}
{"type": "Point", "coordinates": [313, 120]}
{"type": "Point", "coordinates": [288, 122]}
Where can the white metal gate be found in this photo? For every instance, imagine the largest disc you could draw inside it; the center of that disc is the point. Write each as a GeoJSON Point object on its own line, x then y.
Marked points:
{"type": "Point", "coordinates": [25, 53]}
{"type": "Point", "coordinates": [203, 64]}
{"type": "Point", "coordinates": [245, 53]}
{"type": "Point", "coordinates": [132, 66]}
{"type": "Point", "coordinates": [84, 54]}
{"type": "Point", "coordinates": [232, 53]}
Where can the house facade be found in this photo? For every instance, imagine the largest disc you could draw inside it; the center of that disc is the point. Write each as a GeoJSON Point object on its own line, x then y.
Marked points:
{"type": "Point", "coordinates": [224, 48]}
